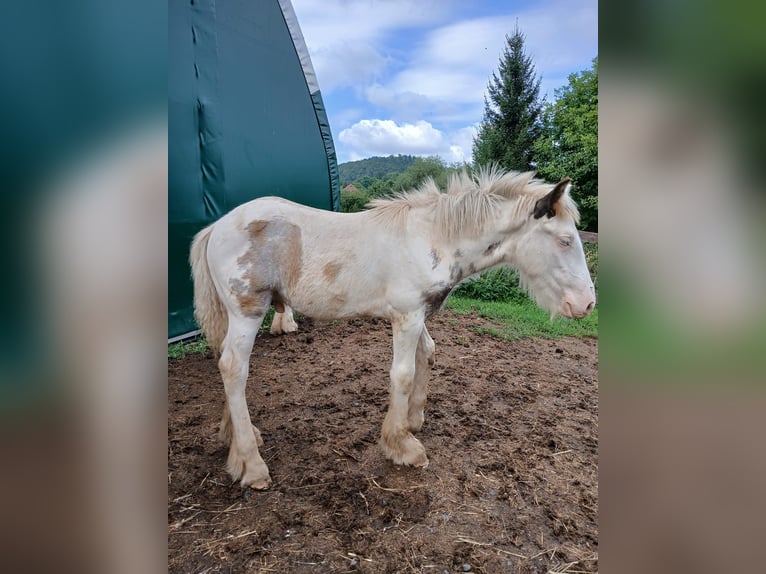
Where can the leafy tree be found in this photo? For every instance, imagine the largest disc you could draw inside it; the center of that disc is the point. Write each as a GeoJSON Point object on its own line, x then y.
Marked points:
{"type": "Point", "coordinates": [512, 110]}
{"type": "Point", "coordinates": [421, 169]}
{"type": "Point", "coordinates": [375, 167]}
{"type": "Point", "coordinates": [381, 187]}
{"type": "Point", "coordinates": [364, 182]}
{"type": "Point", "coordinates": [568, 144]}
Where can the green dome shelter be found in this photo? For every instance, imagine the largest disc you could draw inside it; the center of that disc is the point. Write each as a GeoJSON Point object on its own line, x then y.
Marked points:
{"type": "Point", "coordinates": [246, 120]}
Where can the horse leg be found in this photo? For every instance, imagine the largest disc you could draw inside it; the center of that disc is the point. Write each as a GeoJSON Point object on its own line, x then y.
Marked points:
{"type": "Point", "coordinates": [283, 321]}
{"type": "Point", "coordinates": [244, 460]}
{"type": "Point", "coordinates": [424, 360]}
{"type": "Point", "coordinates": [224, 433]}
{"type": "Point", "coordinates": [396, 439]}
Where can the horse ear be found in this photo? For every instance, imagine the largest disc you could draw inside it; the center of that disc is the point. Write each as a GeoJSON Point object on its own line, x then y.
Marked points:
{"type": "Point", "coordinates": [547, 205]}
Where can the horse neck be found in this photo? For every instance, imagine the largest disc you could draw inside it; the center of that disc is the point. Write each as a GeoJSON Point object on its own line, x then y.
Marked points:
{"type": "Point", "coordinates": [471, 255]}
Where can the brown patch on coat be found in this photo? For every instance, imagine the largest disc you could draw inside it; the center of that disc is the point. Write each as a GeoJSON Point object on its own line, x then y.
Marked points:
{"type": "Point", "coordinates": [256, 227]}
{"type": "Point", "coordinates": [330, 271]}
{"type": "Point", "coordinates": [294, 257]}
{"type": "Point", "coordinates": [272, 264]}
{"type": "Point", "coordinates": [252, 303]}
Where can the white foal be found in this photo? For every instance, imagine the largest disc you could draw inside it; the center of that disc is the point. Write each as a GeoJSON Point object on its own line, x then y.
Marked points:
{"type": "Point", "coordinates": [398, 261]}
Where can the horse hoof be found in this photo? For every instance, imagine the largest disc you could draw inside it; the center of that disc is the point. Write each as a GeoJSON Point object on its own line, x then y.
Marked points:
{"type": "Point", "coordinates": [256, 476]}
{"type": "Point", "coordinates": [421, 462]}
{"type": "Point", "coordinates": [261, 483]}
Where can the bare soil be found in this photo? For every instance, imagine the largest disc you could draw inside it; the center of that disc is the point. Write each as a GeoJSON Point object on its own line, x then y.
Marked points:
{"type": "Point", "coordinates": [511, 431]}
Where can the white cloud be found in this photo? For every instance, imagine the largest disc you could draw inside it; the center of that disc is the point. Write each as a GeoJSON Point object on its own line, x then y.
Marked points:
{"type": "Point", "coordinates": [347, 64]}
{"type": "Point", "coordinates": [461, 149]}
{"type": "Point", "coordinates": [409, 106]}
{"type": "Point", "coordinates": [386, 137]}
{"type": "Point", "coordinates": [346, 39]}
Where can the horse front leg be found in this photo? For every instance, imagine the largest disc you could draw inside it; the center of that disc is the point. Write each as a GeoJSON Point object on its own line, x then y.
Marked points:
{"type": "Point", "coordinates": [244, 460]}
{"type": "Point", "coordinates": [396, 439]}
{"type": "Point", "coordinates": [424, 360]}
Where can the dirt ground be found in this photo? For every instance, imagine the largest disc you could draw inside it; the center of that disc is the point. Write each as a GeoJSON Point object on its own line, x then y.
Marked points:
{"type": "Point", "coordinates": [511, 432]}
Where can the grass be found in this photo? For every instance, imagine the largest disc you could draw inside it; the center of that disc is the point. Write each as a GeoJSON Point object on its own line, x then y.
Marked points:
{"type": "Point", "coordinates": [182, 348]}
{"type": "Point", "coordinates": [523, 319]}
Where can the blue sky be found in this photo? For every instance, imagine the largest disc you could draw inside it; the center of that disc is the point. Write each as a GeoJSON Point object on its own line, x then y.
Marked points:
{"type": "Point", "coordinates": [409, 76]}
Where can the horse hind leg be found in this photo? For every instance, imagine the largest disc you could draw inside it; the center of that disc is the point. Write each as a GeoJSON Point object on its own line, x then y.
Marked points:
{"type": "Point", "coordinates": [244, 462]}
{"type": "Point", "coordinates": [424, 360]}
{"type": "Point", "coordinates": [283, 321]}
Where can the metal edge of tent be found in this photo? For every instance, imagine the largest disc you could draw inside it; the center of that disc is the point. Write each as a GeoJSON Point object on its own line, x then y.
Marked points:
{"type": "Point", "coordinates": [185, 336]}
{"type": "Point", "coordinates": [299, 44]}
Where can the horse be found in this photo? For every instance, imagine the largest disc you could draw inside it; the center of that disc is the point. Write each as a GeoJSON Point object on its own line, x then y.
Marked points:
{"type": "Point", "coordinates": [397, 260]}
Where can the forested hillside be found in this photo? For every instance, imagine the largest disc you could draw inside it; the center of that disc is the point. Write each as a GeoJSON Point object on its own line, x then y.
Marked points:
{"type": "Point", "coordinates": [375, 167]}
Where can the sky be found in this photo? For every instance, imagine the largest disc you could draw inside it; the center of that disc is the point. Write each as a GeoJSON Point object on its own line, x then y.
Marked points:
{"type": "Point", "coordinates": [409, 76]}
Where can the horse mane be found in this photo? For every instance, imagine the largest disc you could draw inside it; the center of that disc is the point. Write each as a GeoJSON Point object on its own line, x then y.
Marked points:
{"type": "Point", "coordinates": [470, 201]}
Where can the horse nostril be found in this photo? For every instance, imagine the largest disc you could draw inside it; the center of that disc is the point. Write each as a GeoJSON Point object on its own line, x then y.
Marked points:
{"type": "Point", "coordinates": [589, 308]}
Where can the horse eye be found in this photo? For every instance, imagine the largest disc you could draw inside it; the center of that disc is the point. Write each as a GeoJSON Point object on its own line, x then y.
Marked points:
{"type": "Point", "coordinates": [565, 241]}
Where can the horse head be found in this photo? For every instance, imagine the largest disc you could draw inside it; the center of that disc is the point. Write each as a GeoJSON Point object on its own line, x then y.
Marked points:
{"type": "Point", "coordinates": [549, 255]}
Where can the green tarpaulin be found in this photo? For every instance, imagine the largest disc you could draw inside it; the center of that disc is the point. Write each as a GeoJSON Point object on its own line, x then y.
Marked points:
{"type": "Point", "coordinates": [246, 120]}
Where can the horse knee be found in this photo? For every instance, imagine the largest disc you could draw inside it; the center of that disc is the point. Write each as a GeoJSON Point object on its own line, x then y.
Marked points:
{"type": "Point", "coordinates": [232, 367]}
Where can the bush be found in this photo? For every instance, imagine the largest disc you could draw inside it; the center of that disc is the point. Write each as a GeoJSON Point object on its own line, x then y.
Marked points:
{"type": "Point", "coordinates": [500, 284]}
{"type": "Point", "coordinates": [352, 201]}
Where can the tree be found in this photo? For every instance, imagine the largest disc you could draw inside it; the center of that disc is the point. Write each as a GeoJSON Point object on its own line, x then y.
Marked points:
{"type": "Point", "coordinates": [512, 110]}
{"type": "Point", "coordinates": [352, 201]}
{"type": "Point", "coordinates": [382, 187]}
{"type": "Point", "coordinates": [568, 144]}
{"type": "Point", "coordinates": [422, 168]}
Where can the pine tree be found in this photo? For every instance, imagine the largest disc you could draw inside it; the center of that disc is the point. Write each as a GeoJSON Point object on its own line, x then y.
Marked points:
{"type": "Point", "coordinates": [512, 110]}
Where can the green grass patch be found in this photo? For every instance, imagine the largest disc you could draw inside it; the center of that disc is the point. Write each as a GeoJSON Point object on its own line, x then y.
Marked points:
{"type": "Point", "coordinates": [523, 319]}
{"type": "Point", "coordinates": [183, 348]}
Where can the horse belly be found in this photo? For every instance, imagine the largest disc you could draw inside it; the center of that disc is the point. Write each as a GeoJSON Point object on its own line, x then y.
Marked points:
{"type": "Point", "coordinates": [329, 304]}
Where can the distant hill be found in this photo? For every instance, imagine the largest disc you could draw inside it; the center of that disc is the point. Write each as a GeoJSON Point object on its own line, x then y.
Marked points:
{"type": "Point", "coordinates": [377, 167]}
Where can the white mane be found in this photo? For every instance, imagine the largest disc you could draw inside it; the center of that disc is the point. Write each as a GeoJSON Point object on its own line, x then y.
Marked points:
{"type": "Point", "coordinates": [470, 201]}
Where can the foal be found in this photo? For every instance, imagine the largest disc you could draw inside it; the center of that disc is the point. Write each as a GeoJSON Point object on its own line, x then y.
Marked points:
{"type": "Point", "coordinates": [398, 261]}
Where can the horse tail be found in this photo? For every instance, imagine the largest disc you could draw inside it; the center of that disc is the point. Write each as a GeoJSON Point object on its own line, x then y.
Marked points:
{"type": "Point", "coordinates": [209, 310]}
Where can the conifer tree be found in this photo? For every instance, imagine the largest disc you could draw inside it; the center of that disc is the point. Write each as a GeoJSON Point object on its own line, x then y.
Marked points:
{"type": "Point", "coordinates": [512, 110]}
